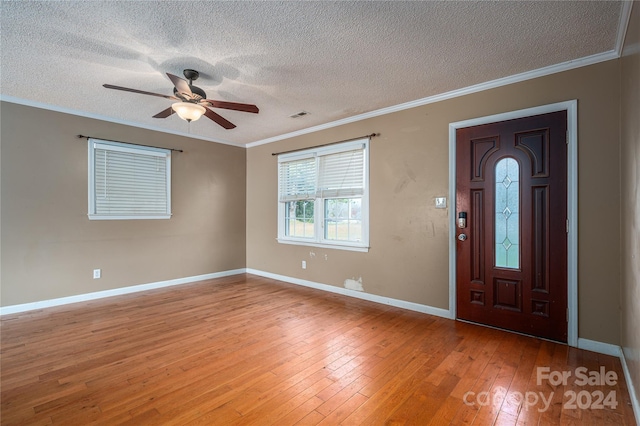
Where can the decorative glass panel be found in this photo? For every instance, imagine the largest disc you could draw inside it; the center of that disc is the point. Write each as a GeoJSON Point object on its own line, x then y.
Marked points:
{"type": "Point", "coordinates": [507, 214]}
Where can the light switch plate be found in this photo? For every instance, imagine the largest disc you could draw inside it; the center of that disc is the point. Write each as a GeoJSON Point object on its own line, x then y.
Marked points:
{"type": "Point", "coordinates": [441, 202]}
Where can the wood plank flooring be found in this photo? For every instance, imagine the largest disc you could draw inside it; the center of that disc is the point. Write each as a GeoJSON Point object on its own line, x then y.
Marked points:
{"type": "Point", "coordinates": [246, 350]}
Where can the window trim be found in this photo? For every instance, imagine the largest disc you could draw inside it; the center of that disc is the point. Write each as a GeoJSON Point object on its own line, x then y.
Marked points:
{"type": "Point", "coordinates": [130, 148]}
{"type": "Point", "coordinates": [319, 238]}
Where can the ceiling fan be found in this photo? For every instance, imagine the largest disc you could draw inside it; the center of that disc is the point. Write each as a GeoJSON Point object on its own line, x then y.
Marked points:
{"type": "Point", "coordinates": [192, 101]}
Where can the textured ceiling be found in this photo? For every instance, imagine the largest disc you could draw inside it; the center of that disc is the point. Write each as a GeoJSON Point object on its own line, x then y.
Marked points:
{"type": "Point", "coordinates": [336, 60]}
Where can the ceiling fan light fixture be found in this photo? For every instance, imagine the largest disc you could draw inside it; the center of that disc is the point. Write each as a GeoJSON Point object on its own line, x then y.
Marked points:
{"type": "Point", "coordinates": [188, 111]}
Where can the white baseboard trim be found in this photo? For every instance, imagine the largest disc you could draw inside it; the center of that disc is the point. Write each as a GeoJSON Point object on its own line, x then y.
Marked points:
{"type": "Point", "coordinates": [425, 309]}
{"type": "Point", "coordinates": [13, 309]}
{"type": "Point", "coordinates": [601, 348]}
{"type": "Point", "coordinates": [635, 404]}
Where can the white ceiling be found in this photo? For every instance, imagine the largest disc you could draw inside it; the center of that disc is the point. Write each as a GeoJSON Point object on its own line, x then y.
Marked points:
{"type": "Point", "coordinates": [340, 61]}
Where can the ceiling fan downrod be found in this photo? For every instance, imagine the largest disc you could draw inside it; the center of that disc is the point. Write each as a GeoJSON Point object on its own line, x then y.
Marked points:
{"type": "Point", "coordinates": [191, 75]}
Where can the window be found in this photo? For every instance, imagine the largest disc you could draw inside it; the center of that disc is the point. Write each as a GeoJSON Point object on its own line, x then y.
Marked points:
{"type": "Point", "coordinates": [323, 196]}
{"type": "Point", "coordinates": [128, 181]}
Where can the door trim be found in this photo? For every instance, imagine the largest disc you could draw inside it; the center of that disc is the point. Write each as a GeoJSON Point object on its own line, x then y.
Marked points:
{"type": "Point", "coordinates": [572, 202]}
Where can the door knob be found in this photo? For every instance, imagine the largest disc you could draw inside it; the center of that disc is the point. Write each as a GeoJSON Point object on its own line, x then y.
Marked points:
{"type": "Point", "coordinates": [462, 237]}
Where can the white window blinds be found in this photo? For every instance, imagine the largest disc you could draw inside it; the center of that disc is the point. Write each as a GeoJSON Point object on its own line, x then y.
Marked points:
{"type": "Point", "coordinates": [341, 174]}
{"type": "Point", "coordinates": [128, 181]}
{"type": "Point", "coordinates": [335, 172]}
{"type": "Point", "coordinates": [297, 179]}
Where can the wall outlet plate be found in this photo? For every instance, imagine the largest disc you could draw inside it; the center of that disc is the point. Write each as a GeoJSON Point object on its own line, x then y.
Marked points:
{"type": "Point", "coordinates": [97, 273]}
{"type": "Point", "coordinates": [441, 202]}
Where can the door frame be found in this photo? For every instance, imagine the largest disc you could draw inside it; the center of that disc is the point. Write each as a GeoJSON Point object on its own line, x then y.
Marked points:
{"type": "Point", "coordinates": [572, 202]}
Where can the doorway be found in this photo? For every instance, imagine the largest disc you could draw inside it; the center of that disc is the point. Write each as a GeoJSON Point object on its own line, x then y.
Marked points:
{"type": "Point", "coordinates": [514, 261]}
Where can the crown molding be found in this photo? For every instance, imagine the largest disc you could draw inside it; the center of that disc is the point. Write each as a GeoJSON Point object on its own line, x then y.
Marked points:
{"type": "Point", "coordinates": [70, 111]}
{"type": "Point", "coordinates": [623, 25]}
{"type": "Point", "coordinates": [625, 15]}
{"type": "Point", "coordinates": [528, 75]}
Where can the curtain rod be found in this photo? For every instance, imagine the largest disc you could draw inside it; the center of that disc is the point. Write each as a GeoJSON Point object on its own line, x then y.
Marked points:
{"type": "Point", "coordinates": [372, 135]}
{"type": "Point", "coordinates": [148, 146]}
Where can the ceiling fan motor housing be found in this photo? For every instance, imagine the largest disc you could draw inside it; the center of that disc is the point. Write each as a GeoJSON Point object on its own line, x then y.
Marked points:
{"type": "Point", "coordinates": [198, 93]}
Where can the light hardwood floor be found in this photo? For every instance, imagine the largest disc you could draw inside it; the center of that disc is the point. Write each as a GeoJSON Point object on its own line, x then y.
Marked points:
{"type": "Point", "coordinates": [246, 350]}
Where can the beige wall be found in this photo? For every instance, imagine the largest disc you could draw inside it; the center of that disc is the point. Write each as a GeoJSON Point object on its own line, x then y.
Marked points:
{"type": "Point", "coordinates": [630, 219]}
{"type": "Point", "coordinates": [50, 247]}
{"type": "Point", "coordinates": [409, 168]}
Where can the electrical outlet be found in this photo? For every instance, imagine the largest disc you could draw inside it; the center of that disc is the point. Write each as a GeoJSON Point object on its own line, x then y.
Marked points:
{"type": "Point", "coordinates": [304, 264]}
{"type": "Point", "coordinates": [97, 273]}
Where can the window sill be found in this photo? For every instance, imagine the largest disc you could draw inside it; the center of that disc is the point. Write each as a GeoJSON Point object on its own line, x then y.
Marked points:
{"type": "Point", "coordinates": [359, 248]}
{"type": "Point", "coordinates": [102, 217]}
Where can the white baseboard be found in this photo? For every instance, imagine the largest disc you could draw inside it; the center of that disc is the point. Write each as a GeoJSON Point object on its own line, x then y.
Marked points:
{"type": "Point", "coordinates": [614, 350]}
{"type": "Point", "coordinates": [13, 309]}
{"type": "Point", "coordinates": [444, 313]}
{"type": "Point", "coordinates": [601, 348]}
{"type": "Point", "coordinates": [632, 390]}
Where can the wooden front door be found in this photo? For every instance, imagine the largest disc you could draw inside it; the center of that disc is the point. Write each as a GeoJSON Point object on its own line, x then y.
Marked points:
{"type": "Point", "coordinates": [512, 253]}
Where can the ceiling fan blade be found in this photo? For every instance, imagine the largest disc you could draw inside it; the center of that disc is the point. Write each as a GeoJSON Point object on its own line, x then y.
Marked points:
{"type": "Point", "coordinates": [219, 119]}
{"type": "Point", "coordinates": [234, 106]}
{"type": "Point", "coordinates": [181, 85]}
{"type": "Point", "coordinates": [164, 113]}
{"type": "Point", "coordinates": [142, 92]}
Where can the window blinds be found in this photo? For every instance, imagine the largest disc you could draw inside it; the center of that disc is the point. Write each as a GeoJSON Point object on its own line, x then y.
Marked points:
{"type": "Point", "coordinates": [331, 173]}
{"type": "Point", "coordinates": [297, 179]}
{"type": "Point", "coordinates": [341, 174]}
{"type": "Point", "coordinates": [129, 181]}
